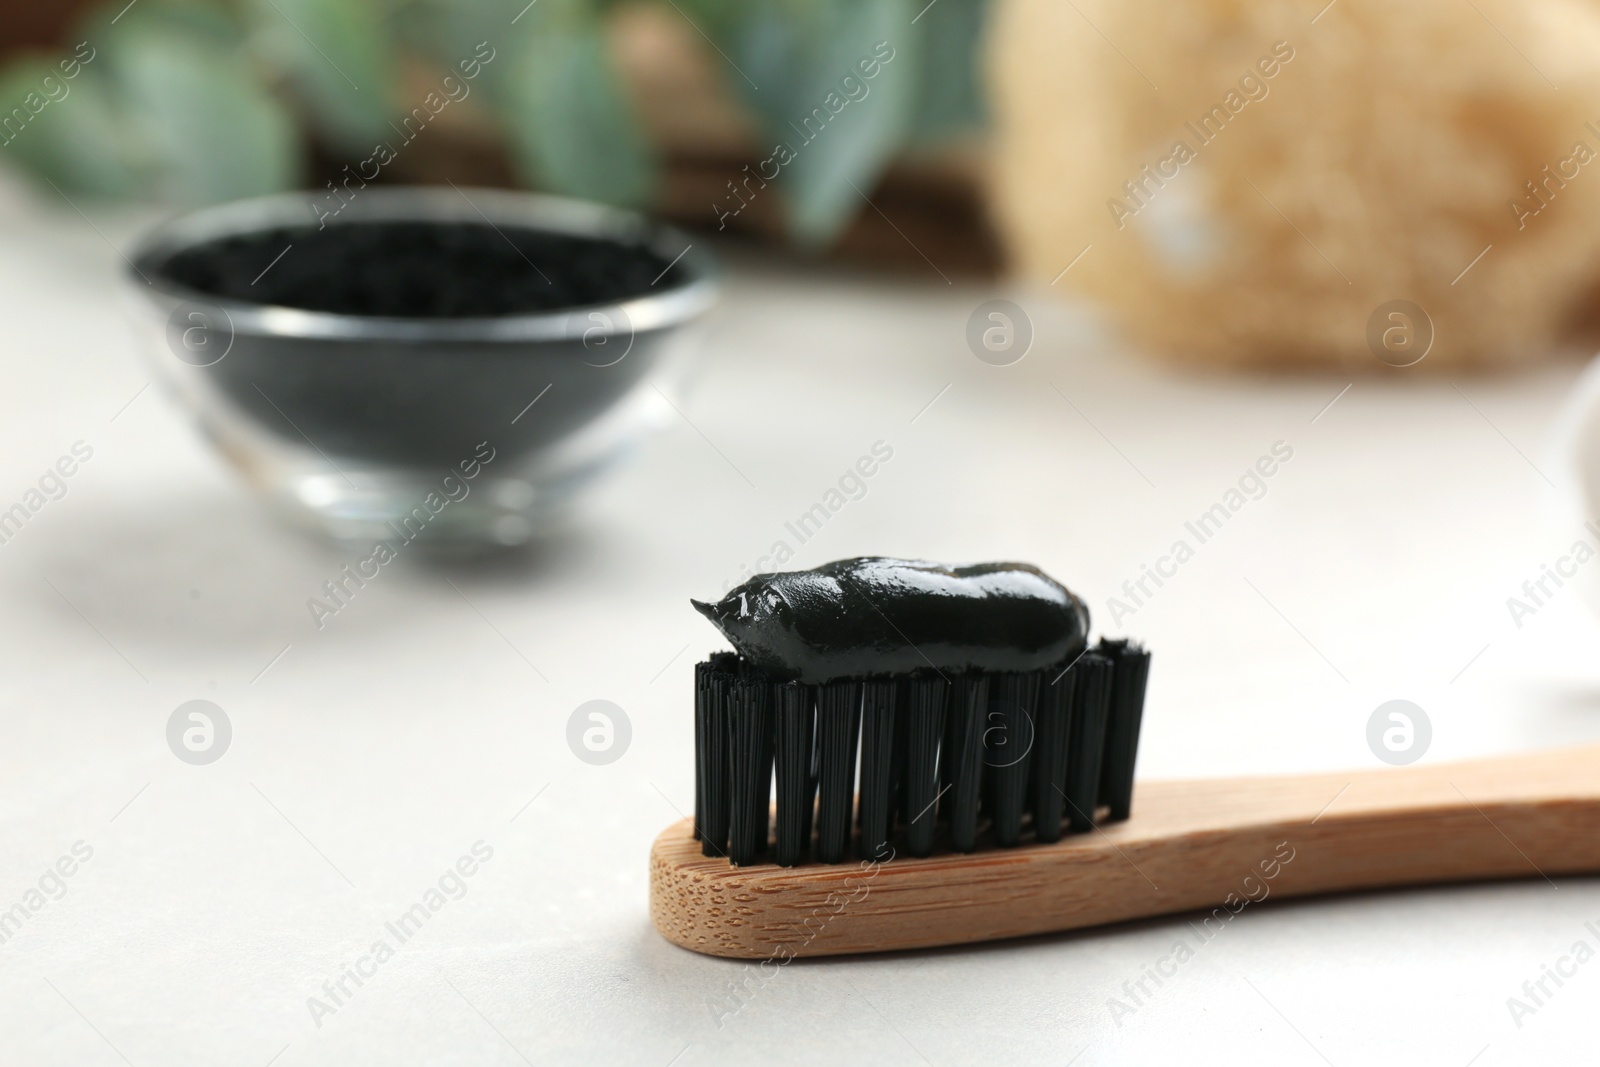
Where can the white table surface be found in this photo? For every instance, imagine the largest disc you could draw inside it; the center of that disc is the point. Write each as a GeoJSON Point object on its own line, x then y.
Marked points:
{"type": "Point", "coordinates": [374, 753]}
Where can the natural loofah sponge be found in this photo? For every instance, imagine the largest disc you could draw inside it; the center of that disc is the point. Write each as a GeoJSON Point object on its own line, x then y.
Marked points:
{"type": "Point", "coordinates": [1289, 177]}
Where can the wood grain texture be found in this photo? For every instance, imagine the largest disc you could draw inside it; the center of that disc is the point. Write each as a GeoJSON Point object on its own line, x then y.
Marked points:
{"type": "Point", "coordinates": [1215, 845]}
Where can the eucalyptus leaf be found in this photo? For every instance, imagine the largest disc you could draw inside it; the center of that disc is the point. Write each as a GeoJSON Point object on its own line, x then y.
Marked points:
{"type": "Point", "coordinates": [561, 103]}
{"type": "Point", "coordinates": [950, 84]}
{"type": "Point", "coordinates": [448, 31]}
{"type": "Point", "coordinates": [835, 87]}
{"type": "Point", "coordinates": [719, 19]}
{"type": "Point", "coordinates": [76, 140]}
{"type": "Point", "coordinates": [337, 60]}
{"type": "Point", "coordinates": [209, 127]}
{"type": "Point", "coordinates": [206, 21]}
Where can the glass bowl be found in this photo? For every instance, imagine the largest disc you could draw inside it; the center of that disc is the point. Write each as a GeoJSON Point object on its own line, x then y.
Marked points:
{"type": "Point", "coordinates": [473, 431]}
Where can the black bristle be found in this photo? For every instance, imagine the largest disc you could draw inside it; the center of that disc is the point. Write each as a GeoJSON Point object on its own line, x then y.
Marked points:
{"type": "Point", "coordinates": [1008, 747]}
{"type": "Point", "coordinates": [954, 697]}
{"type": "Point", "coordinates": [750, 742]}
{"type": "Point", "coordinates": [838, 723]}
{"type": "Point", "coordinates": [925, 726]}
{"type": "Point", "coordinates": [973, 751]}
{"type": "Point", "coordinates": [878, 699]}
{"type": "Point", "coordinates": [700, 716]}
{"type": "Point", "coordinates": [1132, 673]}
{"type": "Point", "coordinates": [902, 742]}
{"type": "Point", "coordinates": [969, 703]}
{"type": "Point", "coordinates": [1091, 700]}
{"type": "Point", "coordinates": [1053, 728]}
{"type": "Point", "coordinates": [797, 790]}
{"type": "Point", "coordinates": [711, 767]}
{"type": "Point", "coordinates": [808, 813]}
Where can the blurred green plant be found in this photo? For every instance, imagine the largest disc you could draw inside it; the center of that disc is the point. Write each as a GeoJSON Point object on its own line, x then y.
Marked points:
{"type": "Point", "coordinates": [204, 100]}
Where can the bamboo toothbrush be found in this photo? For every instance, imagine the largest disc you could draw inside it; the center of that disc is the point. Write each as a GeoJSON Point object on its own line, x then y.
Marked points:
{"type": "Point", "coordinates": [975, 687]}
{"type": "Point", "coordinates": [1208, 846]}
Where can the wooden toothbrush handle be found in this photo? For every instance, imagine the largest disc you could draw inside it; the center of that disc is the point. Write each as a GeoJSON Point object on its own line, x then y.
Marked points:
{"type": "Point", "coordinates": [1214, 846]}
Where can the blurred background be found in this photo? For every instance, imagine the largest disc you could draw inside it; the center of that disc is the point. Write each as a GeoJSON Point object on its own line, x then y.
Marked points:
{"type": "Point", "coordinates": [1233, 184]}
{"type": "Point", "coordinates": [647, 105]}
